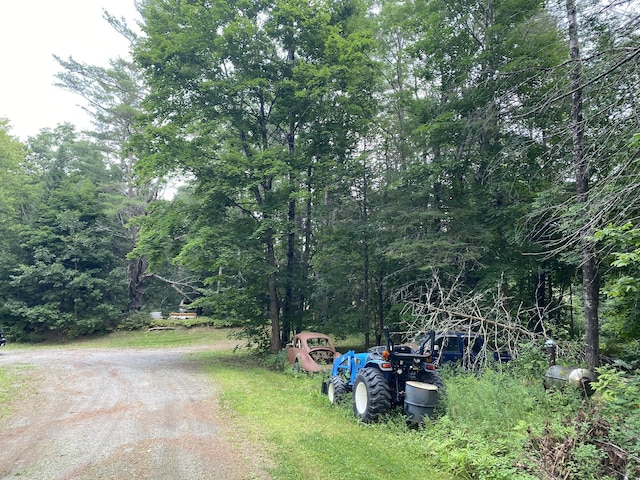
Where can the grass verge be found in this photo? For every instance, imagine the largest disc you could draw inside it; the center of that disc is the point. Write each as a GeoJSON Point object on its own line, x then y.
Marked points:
{"type": "Point", "coordinates": [14, 386]}
{"type": "Point", "coordinates": [307, 438]}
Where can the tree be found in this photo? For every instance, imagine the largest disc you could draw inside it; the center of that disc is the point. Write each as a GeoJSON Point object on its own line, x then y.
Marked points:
{"type": "Point", "coordinates": [475, 163]}
{"type": "Point", "coordinates": [65, 279]}
{"type": "Point", "coordinates": [255, 101]}
{"type": "Point", "coordinates": [602, 84]}
{"type": "Point", "coordinates": [14, 194]}
{"type": "Point", "coordinates": [114, 95]}
{"type": "Point", "coordinates": [590, 286]}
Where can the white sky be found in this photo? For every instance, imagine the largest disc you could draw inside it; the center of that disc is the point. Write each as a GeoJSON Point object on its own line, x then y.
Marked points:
{"type": "Point", "coordinates": [31, 32]}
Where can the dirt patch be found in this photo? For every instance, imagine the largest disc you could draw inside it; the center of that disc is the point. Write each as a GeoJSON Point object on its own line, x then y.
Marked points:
{"type": "Point", "coordinates": [111, 413]}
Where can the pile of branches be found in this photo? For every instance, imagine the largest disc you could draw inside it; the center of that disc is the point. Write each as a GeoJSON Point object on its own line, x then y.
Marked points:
{"type": "Point", "coordinates": [489, 314]}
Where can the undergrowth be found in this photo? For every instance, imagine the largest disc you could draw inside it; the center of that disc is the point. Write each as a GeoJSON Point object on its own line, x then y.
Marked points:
{"type": "Point", "coordinates": [500, 424]}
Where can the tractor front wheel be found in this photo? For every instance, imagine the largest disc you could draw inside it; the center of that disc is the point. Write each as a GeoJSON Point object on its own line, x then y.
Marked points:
{"type": "Point", "coordinates": [371, 397]}
{"type": "Point", "coordinates": [337, 389]}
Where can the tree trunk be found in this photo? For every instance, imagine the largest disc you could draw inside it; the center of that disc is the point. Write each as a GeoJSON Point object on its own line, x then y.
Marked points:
{"type": "Point", "coordinates": [289, 301]}
{"type": "Point", "coordinates": [380, 320]}
{"type": "Point", "coordinates": [367, 288]}
{"type": "Point", "coordinates": [306, 247]}
{"type": "Point", "coordinates": [137, 268]}
{"type": "Point", "coordinates": [589, 267]}
{"type": "Point", "coordinates": [273, 293]}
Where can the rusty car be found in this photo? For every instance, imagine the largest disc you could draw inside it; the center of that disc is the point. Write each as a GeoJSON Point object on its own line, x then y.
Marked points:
{"type": "Point", "coordinates": [311, 352]}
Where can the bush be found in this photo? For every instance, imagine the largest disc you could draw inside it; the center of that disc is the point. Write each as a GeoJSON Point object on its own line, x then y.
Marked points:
{"type": "Point", "coordinates": [135, 321]}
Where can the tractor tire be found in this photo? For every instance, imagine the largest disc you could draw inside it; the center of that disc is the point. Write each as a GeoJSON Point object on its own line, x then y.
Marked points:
{"type": "Point", "coordinates": [371, 396]}
{"type": "Point", "coordinates": [337, 390]}
{"type": "Point", "coordinates": [433, 378]}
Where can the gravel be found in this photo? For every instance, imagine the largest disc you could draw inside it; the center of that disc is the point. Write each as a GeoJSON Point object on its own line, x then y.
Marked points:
{"type": "Point", "coordinates": [121, 413]}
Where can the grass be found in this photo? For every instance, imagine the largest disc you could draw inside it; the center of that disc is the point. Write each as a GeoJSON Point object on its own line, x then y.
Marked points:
{"type": "Point", "coordinates": [179, 337]}
{"type": "Point", "coordinates": [483, 432]}
{"type": "Point", "coordinates": [14, 386]}
{"type": "Point", "coordinates": [309, 438]}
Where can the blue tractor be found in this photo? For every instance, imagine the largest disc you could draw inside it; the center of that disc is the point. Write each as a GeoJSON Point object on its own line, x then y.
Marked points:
{"type": "Point", "coordinates": [386, 377]}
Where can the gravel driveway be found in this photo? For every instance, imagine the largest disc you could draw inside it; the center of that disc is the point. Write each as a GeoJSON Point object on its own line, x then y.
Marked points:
{"type": "Point", "coordinates": [120, 413]}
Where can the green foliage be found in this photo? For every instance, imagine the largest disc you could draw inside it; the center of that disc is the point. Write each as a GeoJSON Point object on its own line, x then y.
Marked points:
{"type": "Point", "coordinates": [625, 239]}
{"type": "Point", "coordinates": [341, 152]}
{"type": "Point", "coordinates": [618, 408]}
{"type": "Point", "coordinates": [63, 280]}
{"type": "Point", "coordinates": [258, 103]}
{"type": "Point", "coordinates": [623, 285]}
{"type": "Point", "coordinates": [135, 321]}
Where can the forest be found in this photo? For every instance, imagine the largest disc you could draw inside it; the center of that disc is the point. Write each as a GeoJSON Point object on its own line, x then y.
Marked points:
{"type": "Point", "coordinates": [340, 166]}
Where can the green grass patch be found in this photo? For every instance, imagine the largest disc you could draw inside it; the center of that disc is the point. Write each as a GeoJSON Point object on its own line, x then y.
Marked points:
{"type": "Point", "coordinates": [14, 386]}
{"type": "Point", "coordinates": [160, 338]}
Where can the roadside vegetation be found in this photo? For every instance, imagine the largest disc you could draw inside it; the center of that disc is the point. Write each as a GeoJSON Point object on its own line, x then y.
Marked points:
{"type": "Point", "coordinates": [500, 424]}
{"type": "Point", "coordinates": [14, 386]}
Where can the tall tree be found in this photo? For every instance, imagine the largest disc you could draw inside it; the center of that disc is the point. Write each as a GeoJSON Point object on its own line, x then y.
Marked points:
{"type": "Point", "coordinates": [591, 289]}
{"type": "Point", "coordinates": [477, 162]}
{"type": "Point", "coordinates": [113, 96]}
{"type": "Point", "coordinates": [254, 100]}
{"type": "Point", "coordinates": [14, 195]}
{"type": "Point", "coordinates": [599, 92]}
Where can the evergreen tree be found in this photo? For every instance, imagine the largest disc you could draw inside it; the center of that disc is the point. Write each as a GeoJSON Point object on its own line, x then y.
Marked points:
{"type": "Point", "coordinates": [65, 280]}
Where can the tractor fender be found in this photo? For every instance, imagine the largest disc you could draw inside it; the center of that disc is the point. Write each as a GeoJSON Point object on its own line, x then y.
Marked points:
{"type": "Point", "coordinates": [378, 362]}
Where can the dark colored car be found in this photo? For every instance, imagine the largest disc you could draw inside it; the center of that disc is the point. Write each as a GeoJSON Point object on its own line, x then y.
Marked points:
{"type": "Point", "coordinates": [311, 352]}
{"type": "Point", "coordinates": [461, 348]}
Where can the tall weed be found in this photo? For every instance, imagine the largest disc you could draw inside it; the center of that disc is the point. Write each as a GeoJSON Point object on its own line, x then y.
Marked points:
{"type": "Point", "coordinates": [486, 426]}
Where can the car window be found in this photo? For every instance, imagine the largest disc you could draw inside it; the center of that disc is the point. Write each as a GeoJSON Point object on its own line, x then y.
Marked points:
{"type": "Point", "coordinates": [448, 344]}
{"type": "Point", "coordinates": [317, 342]}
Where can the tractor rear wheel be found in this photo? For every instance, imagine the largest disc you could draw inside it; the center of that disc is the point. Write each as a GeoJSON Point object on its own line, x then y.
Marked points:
{"type": "Point", "coordinates": [371, 397]}
{"type": "Point", "coordinates": [337, 389]}
{"type": "Point", "coordinates": [434, 378]}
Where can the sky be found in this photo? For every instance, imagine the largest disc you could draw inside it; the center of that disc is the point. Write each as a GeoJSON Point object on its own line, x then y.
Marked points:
{"type": "Point", "coordinates": [31, 32]}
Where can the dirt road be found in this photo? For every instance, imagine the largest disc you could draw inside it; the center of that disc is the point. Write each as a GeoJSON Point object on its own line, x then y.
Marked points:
{"type": "Point", "coordinates": [114, 414]}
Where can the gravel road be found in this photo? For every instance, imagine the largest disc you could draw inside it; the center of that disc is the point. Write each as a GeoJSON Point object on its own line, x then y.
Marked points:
{"type": "Point", "coordinates": [120, 413]}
